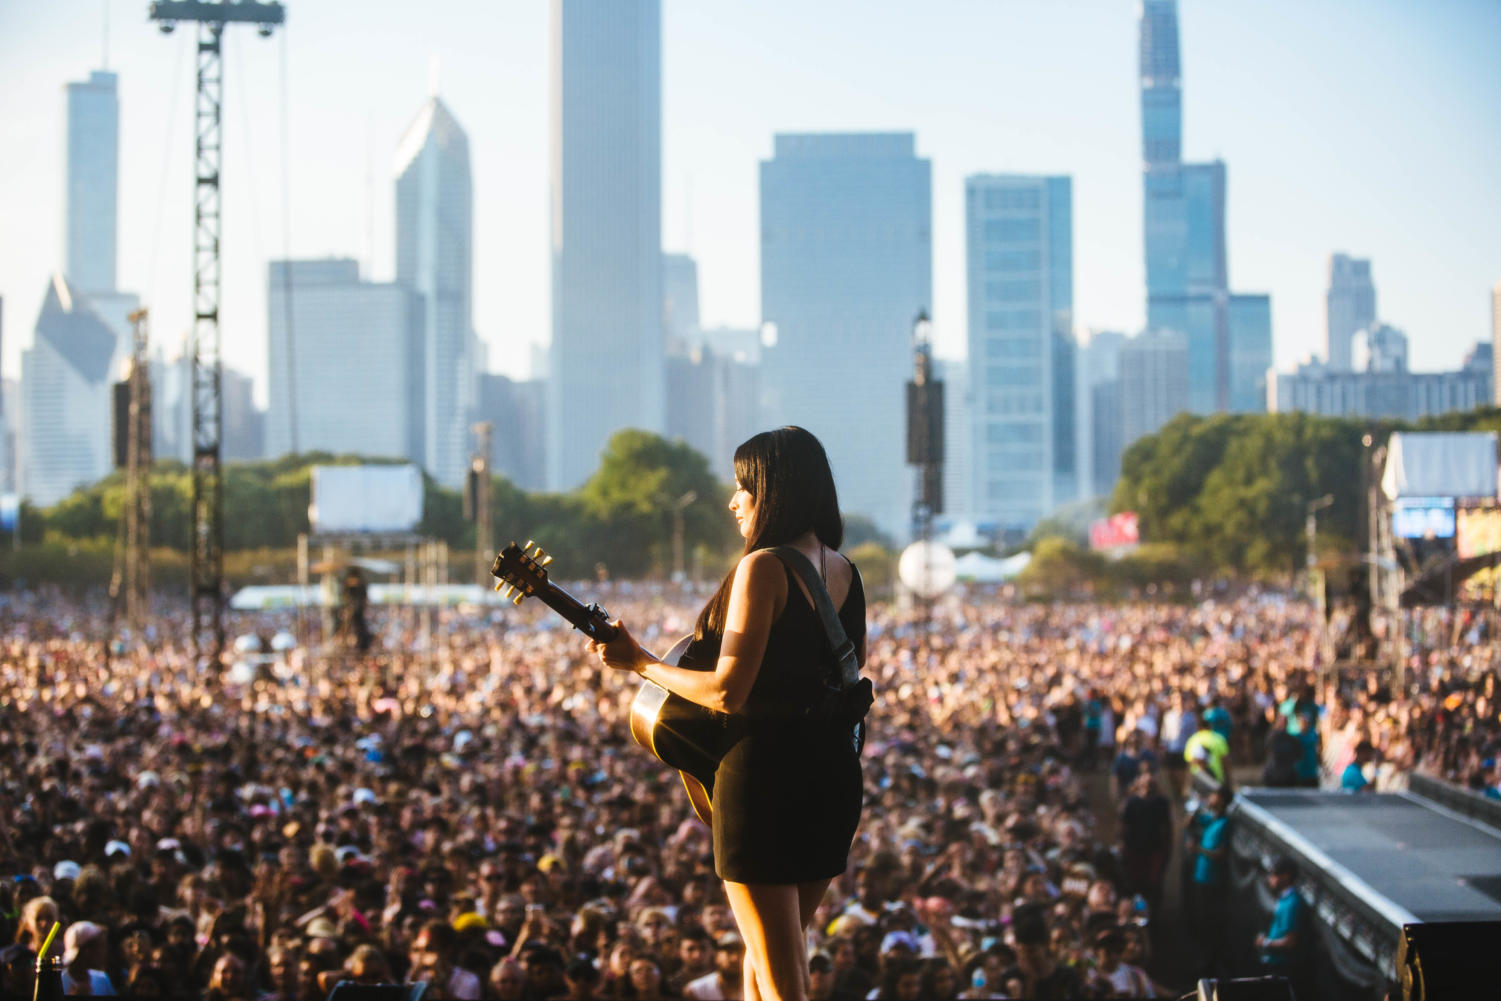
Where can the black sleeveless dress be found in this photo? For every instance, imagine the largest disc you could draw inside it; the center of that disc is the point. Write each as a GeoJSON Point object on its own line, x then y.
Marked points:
{"type": "Point", "coordinates": [787, 795]}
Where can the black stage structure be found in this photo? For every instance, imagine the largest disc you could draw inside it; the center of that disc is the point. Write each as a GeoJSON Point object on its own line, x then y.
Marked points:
{"type": "Point", "coordinates": [1369, 865]}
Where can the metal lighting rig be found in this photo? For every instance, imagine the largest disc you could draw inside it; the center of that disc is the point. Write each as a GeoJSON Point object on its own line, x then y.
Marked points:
{"type": "Point", "coordinates": [207, 577]}
{"type": "Point", "coordinates": [925, 430]}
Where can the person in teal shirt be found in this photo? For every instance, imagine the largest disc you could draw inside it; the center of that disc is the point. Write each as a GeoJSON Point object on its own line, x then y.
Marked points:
{"type": "Point", "coordinates": [1210, 872]}
{"type": "Point", "coordinates": [1353, 778]}
{"type": "Point", "coordinates": [1309, 764]}
{"type": "Point", "coordinates": [1219, 718]}
{"type": "Point", "coordinates": [1286, 947]}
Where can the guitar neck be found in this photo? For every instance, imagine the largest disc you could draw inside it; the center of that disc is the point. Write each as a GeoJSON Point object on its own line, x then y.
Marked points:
{"type": "Point", "coordinates": [591, 620]}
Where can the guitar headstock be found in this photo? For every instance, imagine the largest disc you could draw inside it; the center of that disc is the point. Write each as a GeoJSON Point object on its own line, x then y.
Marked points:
{"type": "Point", "coordinates": [522, 570]}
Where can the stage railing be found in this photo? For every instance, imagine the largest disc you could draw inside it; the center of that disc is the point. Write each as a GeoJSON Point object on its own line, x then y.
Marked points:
{"type": "Point", "coordinates": [1456, 798]}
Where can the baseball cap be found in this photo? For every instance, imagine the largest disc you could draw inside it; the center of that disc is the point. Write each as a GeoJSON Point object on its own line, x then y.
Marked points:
{"type": "Point", "coordinates": [77, 938]}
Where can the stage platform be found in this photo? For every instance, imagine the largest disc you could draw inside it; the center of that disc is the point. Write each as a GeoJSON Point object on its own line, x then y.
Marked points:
{"type": "Point", "coordinates": [1372, 863]}
{"type": "Point", "coordinates": [1420, 861]}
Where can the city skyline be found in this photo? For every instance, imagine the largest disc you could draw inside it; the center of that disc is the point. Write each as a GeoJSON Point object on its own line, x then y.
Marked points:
{"type": "Point", "coordinates": [1362, 142]}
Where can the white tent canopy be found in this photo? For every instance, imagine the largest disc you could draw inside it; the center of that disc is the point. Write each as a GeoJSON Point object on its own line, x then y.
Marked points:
{"type": "Point", "coordinates": [987, 569]}
{"type": "Point", "coordinates": [1440, 464]}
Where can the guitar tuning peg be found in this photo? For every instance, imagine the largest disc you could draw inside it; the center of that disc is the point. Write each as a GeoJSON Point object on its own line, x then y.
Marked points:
{"type": "Point", "coordinates": [546, 560]}
{"type": "Point", "coordinates": [499, 584]}
{"type": "Point", "coordinates": [519, 597]}
{"type": "Point", "coordinates": [529, 544]}
{"type": "Point", "coordinates": [538, 554]}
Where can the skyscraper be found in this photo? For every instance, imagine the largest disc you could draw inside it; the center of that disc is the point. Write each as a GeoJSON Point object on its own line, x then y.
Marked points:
{"type": "Point", "coordinates": [91, 205]}
{"type": "Point", "coordinates": [846, 266]}
{"type": "Point", "coordinates": [1099, 409]}
{"type": "Point", "coordinates": [1154, 382]}
{"type": "Point", "coordinates": [958, 432]}
{"type": "Point", "coordinates": [1378, 348]}
{"type": "Point", "coordinates": [66, 398]}
{"type": "Point", "coordinates": [1250, 345]}
{"type": "Point", "coordinates": [607, 369]}
{"type": "Point", "coordinates": [1019, 235]}
{"type": "Point", "coordinates": [515, 410]}
{"type": "Point", "coordinates": [1184, 226]}
{"type": "Point", "coordinates": [1349, 305]}
{"type": "Point", "coordinates": [1161, 84]}
{"type": "Point", "coordinates": [1496, 339]}
{"type": "Point", "coordinates": [680, 300]}
{"type": "Point", "coordinates": [345, 363]}
{"type": "Point", "coordinates": [434, 257]}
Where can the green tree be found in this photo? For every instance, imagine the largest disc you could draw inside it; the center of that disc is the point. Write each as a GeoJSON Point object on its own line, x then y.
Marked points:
{"type": "Point", "coordinates": [1060, 568]}
{"type": "Point", "coordinates": [628, 504]}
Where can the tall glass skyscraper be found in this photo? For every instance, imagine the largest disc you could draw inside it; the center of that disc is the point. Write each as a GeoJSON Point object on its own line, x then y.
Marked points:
{"type": "Point", "coordinates": [846, 266]}
{"type": "Point", "coordinates": [91, 205]}
{"type": "Point", "coordinates": [1250, 352]}
{"type": "Point", "coordinates": [1161, 86]}
{"type": "Point", "coordinates": [434, 257]}
{"type": "Point", "coordinates": [1349, 306]}
{"type": "Point", "coordinates": [1184, 225]}
{"type": "Point", "coordinates": [1022, 353]}
{"type": "Point", "coordinates": [607, 356]}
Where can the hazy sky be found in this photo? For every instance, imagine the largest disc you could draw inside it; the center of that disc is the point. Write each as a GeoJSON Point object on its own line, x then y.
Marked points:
{"type": "Point", "coordinates": [1372, 127]}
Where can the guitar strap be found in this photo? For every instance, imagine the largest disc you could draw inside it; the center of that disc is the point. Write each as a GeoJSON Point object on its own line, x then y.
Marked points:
{"type": "Point", "coordinates": [845, 655]}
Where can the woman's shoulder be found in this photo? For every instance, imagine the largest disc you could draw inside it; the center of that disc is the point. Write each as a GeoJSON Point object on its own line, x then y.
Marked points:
{"type": "Point", "coordinates": [761, 573]}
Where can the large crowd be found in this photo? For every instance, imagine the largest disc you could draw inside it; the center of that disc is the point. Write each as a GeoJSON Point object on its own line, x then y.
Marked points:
{"type": "Point", "coordinates": [465, 806]}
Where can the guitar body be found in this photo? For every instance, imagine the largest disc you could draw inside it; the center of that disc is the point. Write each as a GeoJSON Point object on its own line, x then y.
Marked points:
{"type": "Point", "coordinates": [683, 734]}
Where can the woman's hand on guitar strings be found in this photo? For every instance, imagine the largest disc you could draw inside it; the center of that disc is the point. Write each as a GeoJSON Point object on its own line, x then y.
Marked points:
{"type": "Point", "coordinates": [622, 653]}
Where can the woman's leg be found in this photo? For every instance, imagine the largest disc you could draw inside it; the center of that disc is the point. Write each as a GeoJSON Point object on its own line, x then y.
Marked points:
{"type": "Point", "coordinates": [770, 916]}
{"type": "Point", "coordinates": [809, 896]}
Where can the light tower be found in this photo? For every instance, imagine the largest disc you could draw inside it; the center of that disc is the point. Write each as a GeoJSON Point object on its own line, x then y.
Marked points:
{"type": "Point", "coordinates": [925, 430]}
{"type": "Point", "coordinates": [207, 577]}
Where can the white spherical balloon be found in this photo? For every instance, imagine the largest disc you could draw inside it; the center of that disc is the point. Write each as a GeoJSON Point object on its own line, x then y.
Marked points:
{"type": "Point", "coordinates": [927, 568]}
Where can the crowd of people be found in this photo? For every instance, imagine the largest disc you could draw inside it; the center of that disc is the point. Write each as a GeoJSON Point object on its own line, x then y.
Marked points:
{"type": "Point", "coordinates": [465, 806]}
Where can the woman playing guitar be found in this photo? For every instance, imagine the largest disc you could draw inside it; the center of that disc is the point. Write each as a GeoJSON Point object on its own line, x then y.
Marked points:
{"type": "Point", "coordinates": [787, 795]}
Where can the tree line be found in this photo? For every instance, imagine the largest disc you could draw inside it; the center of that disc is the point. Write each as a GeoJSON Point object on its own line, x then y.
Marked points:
{"type": "Point", "coordinates": [1225, 494]}
{"type": "Point", "coordinates": [621, 518]}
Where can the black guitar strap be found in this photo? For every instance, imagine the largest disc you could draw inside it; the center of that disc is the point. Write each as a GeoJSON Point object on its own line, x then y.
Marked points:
{"type": "Point", "coordinates": [845, 655]}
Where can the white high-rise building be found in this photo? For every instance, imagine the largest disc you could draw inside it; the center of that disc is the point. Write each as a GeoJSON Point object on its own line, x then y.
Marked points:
{"type": "Point", "coordinates": [66, 382]}
{"type": "Point", "coordinates": [1019, 235]}
{"type": "Point", "coordinates": [346, 362]}
{"type": "Point", "coordinates": [1349, 306]}
{"type": "Point", "coordinates": [434, 257]}
{"type": "Point", "coordinates": [846, 267]}
{"type": "Point", "coordinates": [607, 367]}
{"type": "Point", "coordinates": [91, 206]}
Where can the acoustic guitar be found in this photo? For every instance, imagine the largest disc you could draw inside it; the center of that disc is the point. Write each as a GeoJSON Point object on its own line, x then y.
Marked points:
{"type": "Point", "coordinates": [681, 734]}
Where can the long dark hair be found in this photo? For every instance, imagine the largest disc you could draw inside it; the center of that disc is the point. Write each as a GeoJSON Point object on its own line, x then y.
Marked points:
{"type": "Point", "coordinates": [786, 472]}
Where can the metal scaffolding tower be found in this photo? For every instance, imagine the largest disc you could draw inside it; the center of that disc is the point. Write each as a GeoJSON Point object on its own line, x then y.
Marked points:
{"type": "Point", "coordinates": [207, 576]}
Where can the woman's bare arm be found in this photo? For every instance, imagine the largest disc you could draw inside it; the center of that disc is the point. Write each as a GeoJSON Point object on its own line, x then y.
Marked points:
{"type": "Point", "coordinates": [757, 596]}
